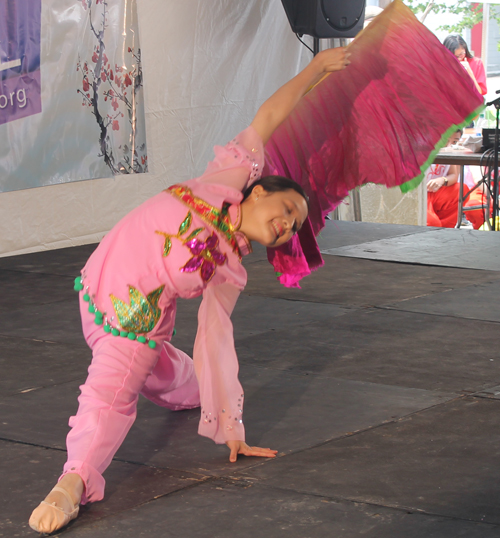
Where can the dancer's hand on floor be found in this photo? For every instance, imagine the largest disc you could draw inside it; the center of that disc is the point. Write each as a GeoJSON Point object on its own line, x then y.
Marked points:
{"type": "Point", "coordinates": [240, 447]}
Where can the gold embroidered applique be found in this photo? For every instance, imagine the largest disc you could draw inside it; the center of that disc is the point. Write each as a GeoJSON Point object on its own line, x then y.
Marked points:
{"type": "Point", "coordinates": [183, 228]}
{"type": "Point", "coordinates": [142, 314]}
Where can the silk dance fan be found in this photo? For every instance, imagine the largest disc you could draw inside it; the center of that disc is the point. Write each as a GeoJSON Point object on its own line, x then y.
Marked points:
{"type": "Point", "coordinates": [382, 120]}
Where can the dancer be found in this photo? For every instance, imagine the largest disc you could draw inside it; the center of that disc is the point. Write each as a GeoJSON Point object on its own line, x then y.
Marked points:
{"type": "Point", "coordinates": [184, 242]}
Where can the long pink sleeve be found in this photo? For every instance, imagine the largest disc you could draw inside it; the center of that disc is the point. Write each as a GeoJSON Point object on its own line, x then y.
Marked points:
{"type": "Point", "coordinates": [216, 366]}
{"type": "Point", "coordinates": [237, 164]}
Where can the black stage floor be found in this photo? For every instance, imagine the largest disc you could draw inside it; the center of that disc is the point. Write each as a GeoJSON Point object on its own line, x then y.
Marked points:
{"type": "Point", "coordinates": [378, 382]}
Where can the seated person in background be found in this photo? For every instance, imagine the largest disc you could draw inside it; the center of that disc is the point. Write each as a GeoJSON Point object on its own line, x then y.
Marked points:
{"type": "Point", "coordinates": [443, 191]}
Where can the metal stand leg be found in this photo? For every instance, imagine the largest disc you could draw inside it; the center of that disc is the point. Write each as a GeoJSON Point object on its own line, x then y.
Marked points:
{"type": "Point", "coordinates": [461, 197]}
{"type": "Point", "coordinates": [356, 204]}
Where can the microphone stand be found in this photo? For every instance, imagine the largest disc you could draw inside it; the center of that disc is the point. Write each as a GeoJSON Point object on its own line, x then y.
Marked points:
{"type": "Point", "coordinates": [496, 104]}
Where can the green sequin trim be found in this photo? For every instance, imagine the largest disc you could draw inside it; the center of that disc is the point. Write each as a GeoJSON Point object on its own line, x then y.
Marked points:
{"type": "Point", "coordinates": [193, 234]}
{"type": "Point", "coordinates": [183, 228]}
{"type": "Point", "coordinates": [186, 224]}
{"type": "Point", "coordinates": [148, 308]}
{"type": "Point", "coordinates": [167, 246]}
{"type": "Point", "coordinates": [218, 218]}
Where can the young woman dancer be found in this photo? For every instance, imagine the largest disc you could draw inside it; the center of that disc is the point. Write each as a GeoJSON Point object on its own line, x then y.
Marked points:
{"type": "Point", "coordinates": [184, 242]}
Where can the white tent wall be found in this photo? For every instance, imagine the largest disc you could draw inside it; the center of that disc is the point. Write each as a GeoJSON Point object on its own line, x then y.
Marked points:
{"type": "Point", "coordinates": [208, 65]}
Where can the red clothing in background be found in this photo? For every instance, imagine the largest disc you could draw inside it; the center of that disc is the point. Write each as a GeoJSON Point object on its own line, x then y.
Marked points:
{"type": "Point", "coordinates": [477, 68]}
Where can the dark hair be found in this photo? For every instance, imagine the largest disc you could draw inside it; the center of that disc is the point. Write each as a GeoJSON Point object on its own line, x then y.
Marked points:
{"type": "Point", "coordinates": [276, 184]}
{"type": "Point", "coordinates": [453, 42]}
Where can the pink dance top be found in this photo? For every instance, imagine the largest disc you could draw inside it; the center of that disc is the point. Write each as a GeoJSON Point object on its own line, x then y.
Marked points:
{"type": "Point", "coordinates": [184, 242]}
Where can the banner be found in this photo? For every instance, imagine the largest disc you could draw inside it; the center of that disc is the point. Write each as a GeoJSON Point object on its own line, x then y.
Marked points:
{"type": "Point", "coordinates": [71, 92]}
{"type": "Point", "coordinates": [19, 59]}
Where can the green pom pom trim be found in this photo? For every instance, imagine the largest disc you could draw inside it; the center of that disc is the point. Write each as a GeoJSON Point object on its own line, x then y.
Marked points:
{"type": "Point", "coordinates": [415, 182]}
{"type": "Point", "coordinates": [124, 334]}
{"type": "Point", "coordinates": [115, 332]}
{"type": "Point", "coordinates": [174, 332]}
{"type": "Point", "coordinates": [278, 274]}
{"type": "Point", "coordinates": [92, 309]}
{"type": "Point", "coordinates": [152, 344]}
{"type": "Point", "coordinates": [131, 336]}
{"type": "Point", "coordinates": [86, 297]}
{"type": "Point", "coordinates": [107, 328]}
{"type": "Point", "coordinates": [98, 320]}
{"type": "Point", "coordinates": [78, 284]}
{"type": "Point", "coordinates": [141, 339]}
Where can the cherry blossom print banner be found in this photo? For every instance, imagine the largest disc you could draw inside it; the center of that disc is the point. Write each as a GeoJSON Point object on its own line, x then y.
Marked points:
{"type": "Point", "coordinates": [71, 94]}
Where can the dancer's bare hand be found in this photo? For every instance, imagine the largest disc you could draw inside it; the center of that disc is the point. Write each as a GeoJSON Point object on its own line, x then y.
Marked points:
{"type": "Point", "coordinates": [240, 447]}
{"type": "Point", "coordinates": [332, 59]}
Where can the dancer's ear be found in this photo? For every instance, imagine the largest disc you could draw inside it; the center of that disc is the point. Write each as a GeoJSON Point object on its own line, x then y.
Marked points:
{"type": "Point", "coordinates": [257, 192]}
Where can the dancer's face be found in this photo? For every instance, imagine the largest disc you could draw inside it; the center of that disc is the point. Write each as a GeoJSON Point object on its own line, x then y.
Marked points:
{"type": "Point", "coordinates": [272, 218]}
{"type": "Point", "coordinates": [460, 54]}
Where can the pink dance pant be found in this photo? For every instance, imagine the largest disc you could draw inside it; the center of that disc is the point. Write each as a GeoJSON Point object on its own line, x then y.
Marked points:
{"type": "Point", "coordinates": [120, 370]}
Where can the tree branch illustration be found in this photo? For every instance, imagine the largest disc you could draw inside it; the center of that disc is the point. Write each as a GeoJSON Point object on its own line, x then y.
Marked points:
{"type": "Point", "coordinates": [110, 92]}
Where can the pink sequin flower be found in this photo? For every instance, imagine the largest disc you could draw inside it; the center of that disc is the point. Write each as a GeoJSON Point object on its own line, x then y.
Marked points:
{"type": "Point", "coordinates": [205, 257]}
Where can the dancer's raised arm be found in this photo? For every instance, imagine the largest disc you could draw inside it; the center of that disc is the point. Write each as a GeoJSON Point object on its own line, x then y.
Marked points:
{"type": "Point", "coordinates": [276, 109]}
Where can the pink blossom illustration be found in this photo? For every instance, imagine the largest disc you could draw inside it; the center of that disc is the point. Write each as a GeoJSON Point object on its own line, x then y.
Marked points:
{"type": "Point", "coordinates": [112, 92]}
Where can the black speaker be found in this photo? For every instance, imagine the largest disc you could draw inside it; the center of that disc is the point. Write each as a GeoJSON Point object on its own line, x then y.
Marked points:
{"type": "Point", "coordinates": [325, 18]}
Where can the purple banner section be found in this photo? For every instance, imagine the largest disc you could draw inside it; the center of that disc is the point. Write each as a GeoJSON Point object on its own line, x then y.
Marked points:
{"type": "Point", "coordinates": [20, 97]}
{"type": "Point", "coordinates": [20, 29]}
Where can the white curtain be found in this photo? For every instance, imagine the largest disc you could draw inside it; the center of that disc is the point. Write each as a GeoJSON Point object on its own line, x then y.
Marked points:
{"type": "Point", "coordinates": [208, 65]}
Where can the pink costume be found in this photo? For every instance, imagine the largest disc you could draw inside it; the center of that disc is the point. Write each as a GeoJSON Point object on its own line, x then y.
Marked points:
{"type": "Point", "coordinates": [181, 243]}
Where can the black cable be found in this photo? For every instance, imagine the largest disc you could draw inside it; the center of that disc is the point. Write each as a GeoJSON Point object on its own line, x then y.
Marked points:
{"type": "Point", "coordinates": [486, 166]}
{"type": "Point", "coordinates": [490, 158]}
{"type": "Point", "coordinates": [305, 44]}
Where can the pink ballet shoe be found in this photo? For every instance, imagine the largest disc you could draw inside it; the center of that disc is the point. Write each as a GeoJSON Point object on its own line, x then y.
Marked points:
{"type": "Point", "coordinates": [57, 519]}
